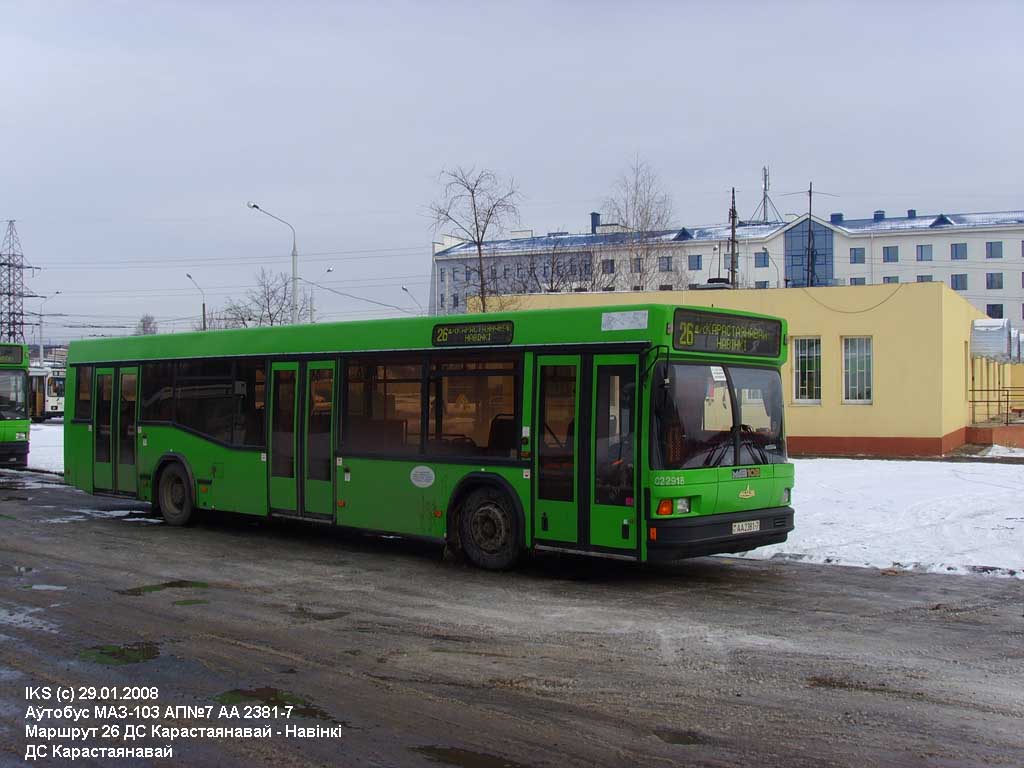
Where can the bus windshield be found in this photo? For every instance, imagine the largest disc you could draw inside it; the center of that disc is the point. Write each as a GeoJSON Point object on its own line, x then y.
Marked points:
{"type": "Point", "coordinates": [13, 395]}
{"type": "Point", "coordinates": [713, 415]}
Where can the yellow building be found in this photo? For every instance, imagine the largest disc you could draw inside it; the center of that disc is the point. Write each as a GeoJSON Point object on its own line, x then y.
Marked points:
{"type": "Point", "coordinates": [882, 370]}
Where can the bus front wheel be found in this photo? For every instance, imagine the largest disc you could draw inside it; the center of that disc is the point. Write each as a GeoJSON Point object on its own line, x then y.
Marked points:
{"type": "Point", "coordinates": [175, 495]}
{"type": "Point", "coordinates": [489, 529]}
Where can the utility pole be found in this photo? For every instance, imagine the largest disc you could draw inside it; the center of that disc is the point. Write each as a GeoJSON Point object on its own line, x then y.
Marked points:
{"type": "Point", "coordinates": [764, 193]}
{"type": "Point", "coordinates": [810, 235]}
{"type": "Point", "coordinates": [12, 287]}
{"type": "Point", "coordinates": [733, 255]}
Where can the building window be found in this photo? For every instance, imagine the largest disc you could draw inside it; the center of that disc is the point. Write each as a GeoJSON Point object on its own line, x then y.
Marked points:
{"type": "Point", "coordinates": [994, 280]}
{"type": "Point", "coordinates": [924, 278]}
{"type": "Point", "coordinates": [442, 300]}
{"type": "Point", "coordinates": [958, 251]}
{"type": "Point", "coordinates": [587, 266]}
{"type": "Point", "coordinates": [857, 281]}
{"type": "Point", "coordinates": [760, 259]}
{"type": "Point", "coordinates": [694, 262]}
{"type": "Point", "coordinates": [455, 301]}
{"type": "Point", "coordinates": [507, 271]}
{"type": "Point", "coordinates": [994, 250]}
{"type": "Point", "coordinates": [664, 287]}
{"type": "Point", "coordinates": [807, 370]}
{"type": "Point", "coordinates": [608, 288]}
{"type": "Point", "coordinates": [891, 254]}
{"type": "Point", "coordinates": [924, 253]}
{"type": "Point", "coordinates": [441, 276]}
{"type": "Point", "coordinates": [994, 311]}
{"type": "Point", "coordinates": [856, 255]}
{"type": "Point", "coordinates": [760, 283]}
{"type": "Point", "coordinates": [636, 287]}
{"type": "Point", "coordinates": [664, 263]}
{"type": "Point", "coordinates": [494, 271]}
{"type": "Point", "coordinates": [958, 282]}
{"type": "Point", "coordinates": [891, 279]}
{"type": "Point", "coordinates": [636, 266]}
{"type": "Point", "coordinates": [857, 369]}
{"type": "Point", "coordinates": [520, 270]}
{"type": "Point", "coordinates": [608, 267]}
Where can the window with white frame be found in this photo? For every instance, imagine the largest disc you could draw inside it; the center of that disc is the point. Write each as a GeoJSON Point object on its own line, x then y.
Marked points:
{"type": "Point", "coordinates": [807, 370]}
{"type": "Point", "coordinates": [857, 369]}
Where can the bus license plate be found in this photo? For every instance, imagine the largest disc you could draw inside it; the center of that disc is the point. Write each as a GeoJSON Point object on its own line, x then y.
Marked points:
{"type": "Point", "coordinates": [748, 526]}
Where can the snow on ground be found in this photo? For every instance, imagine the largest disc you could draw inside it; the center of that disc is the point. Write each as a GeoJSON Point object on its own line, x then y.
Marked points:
{"type": "Point", "coordinates": [46, 447]}
{"type": "Point", "coordinates": [1001, 451]}
{"type": "Point", "coordinates": [919, 515]}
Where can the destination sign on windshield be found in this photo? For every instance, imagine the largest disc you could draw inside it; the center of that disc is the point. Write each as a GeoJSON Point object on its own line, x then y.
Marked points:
{"type": "Point", "coordinates": [11, 355]}
{"type": "Point", "coordinates": [473, 334]}
{"type": "Point", "coordinates": [696, 331]}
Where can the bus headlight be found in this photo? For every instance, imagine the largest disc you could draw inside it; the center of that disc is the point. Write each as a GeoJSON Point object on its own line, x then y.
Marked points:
{"type": "Point", "coordinates": [21, 436]}
{"type": "Point", "coordinates": [682, 506]}
{"type": "Point", "coordinates": [785, 495]}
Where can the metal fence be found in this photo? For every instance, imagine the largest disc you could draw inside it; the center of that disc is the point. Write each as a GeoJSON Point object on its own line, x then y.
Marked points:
{"type": "Point", "coordinates": [1003, 405]}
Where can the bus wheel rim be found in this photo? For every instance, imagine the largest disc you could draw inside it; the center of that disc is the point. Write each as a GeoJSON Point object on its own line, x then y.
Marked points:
{"type": "Point", "coordinates": [490, 528]}
{"type": "Point", "coordinates": [177, 493]}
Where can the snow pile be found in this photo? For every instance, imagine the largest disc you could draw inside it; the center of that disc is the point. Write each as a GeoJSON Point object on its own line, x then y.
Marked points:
{"type": "Point", "coordinates": [46, 447]}
{"type": "Point", "coordinates": [1002, 451]}
{"type": "Point", "coordinates": [917, 515]}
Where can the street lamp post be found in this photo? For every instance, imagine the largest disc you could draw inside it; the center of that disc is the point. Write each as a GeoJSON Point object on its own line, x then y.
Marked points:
{"type": "Point", "coordinates": [413, 298]}
{"type": "Point", "coordinates": [295, 261]}
{"type": "Point", "coordinates": [204, 297]}
{"type": "Point", "coordinates": [41, 305]}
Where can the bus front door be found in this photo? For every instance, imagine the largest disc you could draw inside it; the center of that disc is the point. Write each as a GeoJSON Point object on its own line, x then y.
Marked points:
{"type": "Point", "coordinates": [125, 478]}
{"type": "Point", "coordinates": [302, 439]}
{"type": "Point", "coordinates": [613, 520]}
{"type": "Point", "coordinates": [102, 430]}
{"type": "Point", "coordinates": [556, 490]}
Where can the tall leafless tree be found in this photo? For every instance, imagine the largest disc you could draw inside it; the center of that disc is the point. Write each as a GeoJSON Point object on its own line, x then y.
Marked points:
{"type": "Point", "coordinates": [476, 204]}
{"type": "Point", "coordinates": [146, 326]}
{"type": "Point", "coordinates": [268, 302]}
{"type": "Point", "coordinates": [640, 204]}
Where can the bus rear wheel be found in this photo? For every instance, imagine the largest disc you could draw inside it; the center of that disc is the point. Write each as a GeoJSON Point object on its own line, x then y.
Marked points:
{"type": "Point", "coordinates": [489, 529]}
{"type": "Point", "coordinates": [175, 495]}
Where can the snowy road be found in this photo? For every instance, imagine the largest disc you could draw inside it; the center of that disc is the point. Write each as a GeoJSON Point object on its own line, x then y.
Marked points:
{"type": "Point", "coordinates": [908, 515]}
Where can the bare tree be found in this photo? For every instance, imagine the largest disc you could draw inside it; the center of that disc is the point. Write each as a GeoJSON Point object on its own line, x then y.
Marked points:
{"type": "Point", "coordinates": [639, 203]}
{"type": "Point", "coordinates": [268, 302]}
{"type": "Point", "coordinates": [146, 326]}
{"type": "Point", "coordinates": [477, 205]}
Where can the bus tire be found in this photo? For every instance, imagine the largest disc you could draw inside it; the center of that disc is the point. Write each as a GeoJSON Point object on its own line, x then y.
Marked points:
{"type": "Point", "coordinates": [489, 529]}
{"type": "Point", "coordinates": [175, 495]}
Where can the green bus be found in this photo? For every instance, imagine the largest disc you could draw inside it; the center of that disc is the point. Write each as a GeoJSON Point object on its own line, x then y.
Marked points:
{"type": "Point", "coordinates": [648, 432]}
{"type": "Point", "coordinates": [14, 423]}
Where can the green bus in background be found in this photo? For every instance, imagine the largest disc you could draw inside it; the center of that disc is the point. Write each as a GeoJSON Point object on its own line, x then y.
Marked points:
{"type": "Point", "coordinates": [646, 432]}
{"type": "Point", "coordinates": [14, 423]}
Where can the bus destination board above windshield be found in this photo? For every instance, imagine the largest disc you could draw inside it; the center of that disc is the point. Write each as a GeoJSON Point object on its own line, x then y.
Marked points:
{"type": "Point", "coordinates": [10, 355]}
{"type": "Point", "coordinates": [473, 334]}
{"type": "Point", "coordinates": [695, 331]}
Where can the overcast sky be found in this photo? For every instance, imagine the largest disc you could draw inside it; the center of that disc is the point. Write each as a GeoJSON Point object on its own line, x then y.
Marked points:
{"type": "Point", "coordinates": [133, 133]}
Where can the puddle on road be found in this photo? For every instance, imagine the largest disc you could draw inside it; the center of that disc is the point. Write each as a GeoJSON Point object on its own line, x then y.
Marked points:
{"type": "Point", "coordinates": [23, 568]}
{"type": "Point", "coordinates": [45, 587]}
{"type": "Point", "coordinates": [117, 655]}
{"type": "Point", "coordinates": [275, 697]}
{"type": "Point", "coordinates": [682, 737]}
{"type": "Point", "coordinates": [191, 602]}
{"type": "Point", "coordinates": [302, 612]}
{"type": "Point", "coordinates": [465, 758]}
{"type": "Point", "coordinates": [178, 584]}
{"type": "Point", "coordinates": [127, 515]}
{"type": "Point", "coordinates": [8, 517]}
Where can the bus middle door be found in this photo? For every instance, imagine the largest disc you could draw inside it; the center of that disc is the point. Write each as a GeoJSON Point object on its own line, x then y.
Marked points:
{"type": "Point", "coordinates": [613, 498]}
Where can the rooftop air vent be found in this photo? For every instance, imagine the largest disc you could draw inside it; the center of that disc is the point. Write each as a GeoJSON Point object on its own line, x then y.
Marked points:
{"type": "Point", "coordinates": [879, 215]}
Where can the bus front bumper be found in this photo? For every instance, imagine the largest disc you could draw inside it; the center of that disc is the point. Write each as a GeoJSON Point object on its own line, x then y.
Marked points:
{"type": "Point", "coordinates": [683, 537]}
{"type": "Point", "coordinates": [13, 452]}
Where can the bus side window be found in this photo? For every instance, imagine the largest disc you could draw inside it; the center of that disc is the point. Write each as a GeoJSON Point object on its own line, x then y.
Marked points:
{"type": "Point", "coordinates": [83, 392]}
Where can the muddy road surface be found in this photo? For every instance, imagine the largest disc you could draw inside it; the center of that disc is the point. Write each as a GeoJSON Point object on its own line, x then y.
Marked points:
{"type": "Point", "coordinates": [402, 657]}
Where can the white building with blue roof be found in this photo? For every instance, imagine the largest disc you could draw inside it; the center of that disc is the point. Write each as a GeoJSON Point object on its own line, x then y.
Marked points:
{"type": "Point", "coordinates": [979, 255]}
